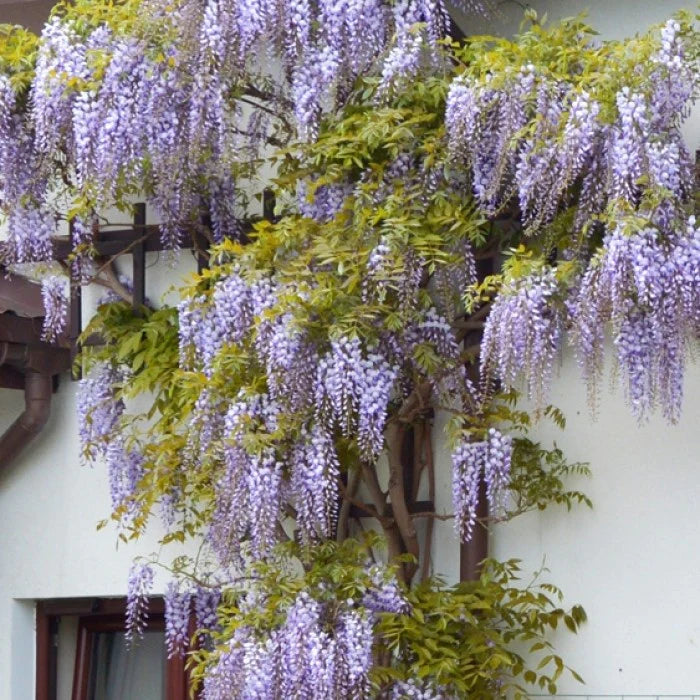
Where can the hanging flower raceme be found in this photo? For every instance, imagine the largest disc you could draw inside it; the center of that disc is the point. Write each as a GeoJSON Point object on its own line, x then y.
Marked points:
{"type": "Point", "coordinates": [23, 185]}
{"type": "Point", "coordinates": [177, 619]}
{"type": "Point", "coordinates": [314, 483]}
{"type": "Point", "coordinates": [158, 112]}
{"type": "Point", "coordinates": [522, 334]}
{"type": "Point", "coordinates": [646, 285]}
{"type": "Point", "coordinates": [353, 391]}
{"type": "Point", "coordinates": [99, 410]}
{"type": "Point", "coordinates": [55, 300]}
{"type": "Point", "coordinates": [206, 603]}
{"type": "Point", "coordinates": [473, 462]}
{"type": "Point", "coordinates": [139, 586]}
{"type": "Point", "coordinates": [125, 469]}
{"type": "Point", "coordinates": [385, 594]}
{"type": "Point", "coordinates": [321, 649]}
{"type": "Point", "coordinates": [545, 133]}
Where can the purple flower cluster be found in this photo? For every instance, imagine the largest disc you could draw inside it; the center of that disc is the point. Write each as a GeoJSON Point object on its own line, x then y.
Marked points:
{"type": "Point", "coordinates": [248, 500]}
{"type": "Point", "coordinates": [416, 690]}
{"type": "Point", "coordinates": [522, 334]}
{"type": "Point", "coordinates": [314, 483]}
{"type": "Point", "coordinates": [314, 653]}
{"type": "Point", "coordinates": [131, 114]}
{"type": "Point", "coordinates": [353, 390]}
{"type": "Point", "coordinates": [375, 282]}
{"type": "Point", "coordinates": [23, 185]}
{"type": "Point", "coordinates": [55, 300]}
{"type": "Point", "coordinates": [385, 594]}
{"type": "Point", "coordinates": [435, 329]}
{"type": "Point", "coordinates": [125, 469]}
{"type": "Point", "coordinates": [139, 586]}
{"type": "Point", "coordinates": [99, 410]}
{"type": "Point", "coordinates": [177, 619]}
{"type": "Point", "coordinates": [647, 286]}
{"type": "Point", "coordinates": [546, 134]}
{"type": "Point", "coordinates": [489, 460]}
{"type": "Point", "coordinates": [324, 202]}
{"type": "Point", "coordinates": [206, 605]}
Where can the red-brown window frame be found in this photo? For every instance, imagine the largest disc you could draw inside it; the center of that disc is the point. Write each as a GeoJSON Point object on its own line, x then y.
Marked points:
{"type": "Point", "coordinates": [94, 615]}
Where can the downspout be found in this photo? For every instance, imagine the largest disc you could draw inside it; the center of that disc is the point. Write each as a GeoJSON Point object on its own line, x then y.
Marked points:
{"type": "Point", "coordinates": [38, 388]}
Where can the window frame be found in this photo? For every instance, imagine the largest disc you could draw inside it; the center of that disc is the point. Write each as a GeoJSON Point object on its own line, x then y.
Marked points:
{"type": "Point", "coordinates": [94, 615]}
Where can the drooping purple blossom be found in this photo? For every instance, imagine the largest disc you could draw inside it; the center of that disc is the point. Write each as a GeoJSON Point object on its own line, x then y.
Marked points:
{"type": "Point", "coordinates": [125, 469]}
{"type": "Point", "coordinates": [545, 134]}
{"type": "Point", "coordinates": [139, 586]}
{"type": "Point", "coordinates": [206, 603]}
{"type": "Point", "coordinates": [489, 460]}
{"type": "Point", "coordinates": [353, 391]}
{"type": "Point", "coordinates": [497, 463]}
{"type": "Point", "coordinates": [416, 690]}
{"type": "Point", "coordinates": [385, 594]}
{"type": "Point", "coordinates": [248, 495]}
{"type": "Point", "coordinates": [99, 410]}
{"type": "Point", "coordinates": [645, 285]}
{"type": "Point", "coordinates": [177, 619]}
{"type": "Point", "coordinates": [354, 641]}
{"type": "Point", "coordinates": [55, 300]}
{"type": "Point", "coordinates": [467, 465]}
{"type": "Point", "coordinates": [522, 334]}
{"type": "Point", "coordinates": [314, 483]}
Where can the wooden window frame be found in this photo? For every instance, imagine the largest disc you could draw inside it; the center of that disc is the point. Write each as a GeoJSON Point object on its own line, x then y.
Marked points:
{"type": "Point", "coordinates": [94, 615]}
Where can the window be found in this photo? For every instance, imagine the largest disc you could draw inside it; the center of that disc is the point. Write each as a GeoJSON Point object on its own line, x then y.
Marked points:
{"type": "Point", "coordinates": [82, 654]}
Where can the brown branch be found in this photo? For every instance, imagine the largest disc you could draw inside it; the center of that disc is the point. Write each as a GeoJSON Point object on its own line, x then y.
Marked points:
{"type": "Point", "coordinates": [416, 403]}
{"type": "Point", "coordinates": [110, 282]}
{"type": "Point", "coordinates": [391, 530]}
{"type": "Point", "coordinates": [348, 493]}
{"type": "Point", "coordinates": [115, 285]}
{"type": "Point", "coordinates": [366, 507]}
{"type": "Point", "coordinates": [395, 433]}
{"type": "Point", "coordinates": [375, 490]}
{"type": "Point", "coordinates": [276, 115]}
{"type": "Point", "coordinates": [473, 320]}
{"type": "Point", "coordinates": [418, 463]}
{"type": "Point", "coordinates": [126, 249]}
{"type": "Point", "coordinates": [432, 515]}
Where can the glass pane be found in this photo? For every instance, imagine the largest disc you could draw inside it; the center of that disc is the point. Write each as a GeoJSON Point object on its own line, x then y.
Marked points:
{"type": "Point", "coordinates": [118, 671]}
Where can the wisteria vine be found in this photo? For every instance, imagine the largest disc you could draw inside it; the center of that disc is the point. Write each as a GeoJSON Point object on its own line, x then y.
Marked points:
{"type": "Point", "coordinates": [304, 365]}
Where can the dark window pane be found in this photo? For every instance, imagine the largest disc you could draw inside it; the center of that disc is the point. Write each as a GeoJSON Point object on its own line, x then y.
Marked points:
{"type": "Point", "coordinates": [118, 672]}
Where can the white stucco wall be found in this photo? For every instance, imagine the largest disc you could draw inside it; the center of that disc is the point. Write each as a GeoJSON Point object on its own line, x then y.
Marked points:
{"type": "Point", "coordinates": [633, 561]}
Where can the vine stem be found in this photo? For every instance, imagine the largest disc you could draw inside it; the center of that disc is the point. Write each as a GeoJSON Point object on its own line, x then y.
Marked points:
{"type": "Point", "coordinates": [342, 529]}
{"type": "Point", "coordinates": [390, 527]}
{"type": "Point", "coordinates": [395, 434]}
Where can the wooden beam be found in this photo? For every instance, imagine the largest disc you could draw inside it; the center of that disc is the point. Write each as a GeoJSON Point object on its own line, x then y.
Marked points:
{"type": "Point", "coordinates": [415, 507]}
{"type": "Point", "coordinates": [11, 379]}
{"type": "Point", "coordinates": [25, 331]}
{"type": "Point", "coordinates": [20, 295]}
{"type": "Point", "coordinates": [46, 654]}
{"type": "Point", "coordinates": [138, 254]}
